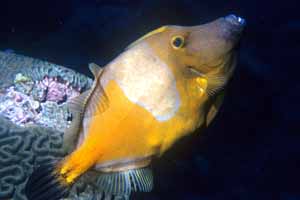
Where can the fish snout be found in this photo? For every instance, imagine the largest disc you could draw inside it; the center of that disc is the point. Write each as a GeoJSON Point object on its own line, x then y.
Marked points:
{"type": "Point", "coordinates": [233, 26]}
{"type": "Point", "coordinates": [237, 21]}
{"type": "Point", "coordinates": [213, 43]}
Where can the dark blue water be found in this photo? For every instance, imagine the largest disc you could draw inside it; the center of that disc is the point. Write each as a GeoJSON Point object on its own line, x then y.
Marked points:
{"type": "Point", "coordinates": [252, 149]}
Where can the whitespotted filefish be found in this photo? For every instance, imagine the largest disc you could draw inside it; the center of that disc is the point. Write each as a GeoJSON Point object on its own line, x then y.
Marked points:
{"type": "Point", "coordinates": [161, 88]}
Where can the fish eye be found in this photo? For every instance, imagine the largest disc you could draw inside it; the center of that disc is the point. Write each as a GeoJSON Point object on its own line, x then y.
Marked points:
{"type": "Point", "coordinates": [177, 42]}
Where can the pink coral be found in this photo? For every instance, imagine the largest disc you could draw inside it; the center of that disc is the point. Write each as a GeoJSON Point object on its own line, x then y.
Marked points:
{"type": "Point", "coordinates": [18, 97]}
{"type": "Point", "coordinates": [57, 91]}
{"type": "Point", "coordinates": [45, 101]}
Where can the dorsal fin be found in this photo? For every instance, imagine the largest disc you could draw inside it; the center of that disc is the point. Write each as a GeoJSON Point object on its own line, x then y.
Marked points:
{"type": "Point", "coordinates": [98, 100]}
{"type": "Point", "coordinates": [125, 182]}
{"type": "Point", "coordinates": [85, 105]}
{"type": "Point", "coordinates": [91, 101]}
{"type": "Point", "coordinates": [95, 69]}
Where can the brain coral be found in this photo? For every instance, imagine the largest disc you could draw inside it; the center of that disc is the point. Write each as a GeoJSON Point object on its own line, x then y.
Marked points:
{"type": "Point", "coordinates": [22, 148]}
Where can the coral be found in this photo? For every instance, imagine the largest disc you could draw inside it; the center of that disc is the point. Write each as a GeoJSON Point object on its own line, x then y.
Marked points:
{"type": "Point", "coordinates": [30, 84]}
{"type": "Point", "coordinates": [36, 70]}
{"type": "Point", "coordinates": [20, 150]}
{"type": "Point", "coordinates": [23, 148]}
{"type": "Point", "coordinates": [17, 106]}
{"type": "Point", "coordinates": [33, 117]}
{"type": "Point", "coordinates": [39, 102]}
{"type": "Point", "coordinates": [21, 78]}
{"type": "Point", "coordinates": [57, 90]}
{"type": "Point", "coordinates": [22, 109]}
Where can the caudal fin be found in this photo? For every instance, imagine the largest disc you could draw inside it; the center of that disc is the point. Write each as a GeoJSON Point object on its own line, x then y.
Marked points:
{"type": "Point", "coordinates": [46, 184]}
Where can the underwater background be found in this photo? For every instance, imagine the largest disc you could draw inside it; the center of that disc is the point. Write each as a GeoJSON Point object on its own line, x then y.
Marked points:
{"type": "Point", "coordinates": [252, 148]}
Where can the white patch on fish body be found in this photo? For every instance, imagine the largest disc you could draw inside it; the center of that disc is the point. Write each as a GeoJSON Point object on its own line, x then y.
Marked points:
{"type": "Point", "coordinates": [146, 81]}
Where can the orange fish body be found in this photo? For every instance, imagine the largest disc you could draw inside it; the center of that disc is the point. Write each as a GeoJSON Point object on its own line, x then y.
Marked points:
{"type": "Point", "coordinates": [132, 133]}
{"type": "Point", "coordinates": [162, 88]}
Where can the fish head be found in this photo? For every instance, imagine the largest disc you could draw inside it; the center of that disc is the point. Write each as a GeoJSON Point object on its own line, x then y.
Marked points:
{"type": "Point", "coordinates": [210, 52]}
{"type": "Point", "coordinates": [205, 53]}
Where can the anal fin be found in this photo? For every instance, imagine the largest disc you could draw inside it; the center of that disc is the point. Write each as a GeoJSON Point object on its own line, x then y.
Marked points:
{"type": "Point", "coordinates": [125, 182]}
